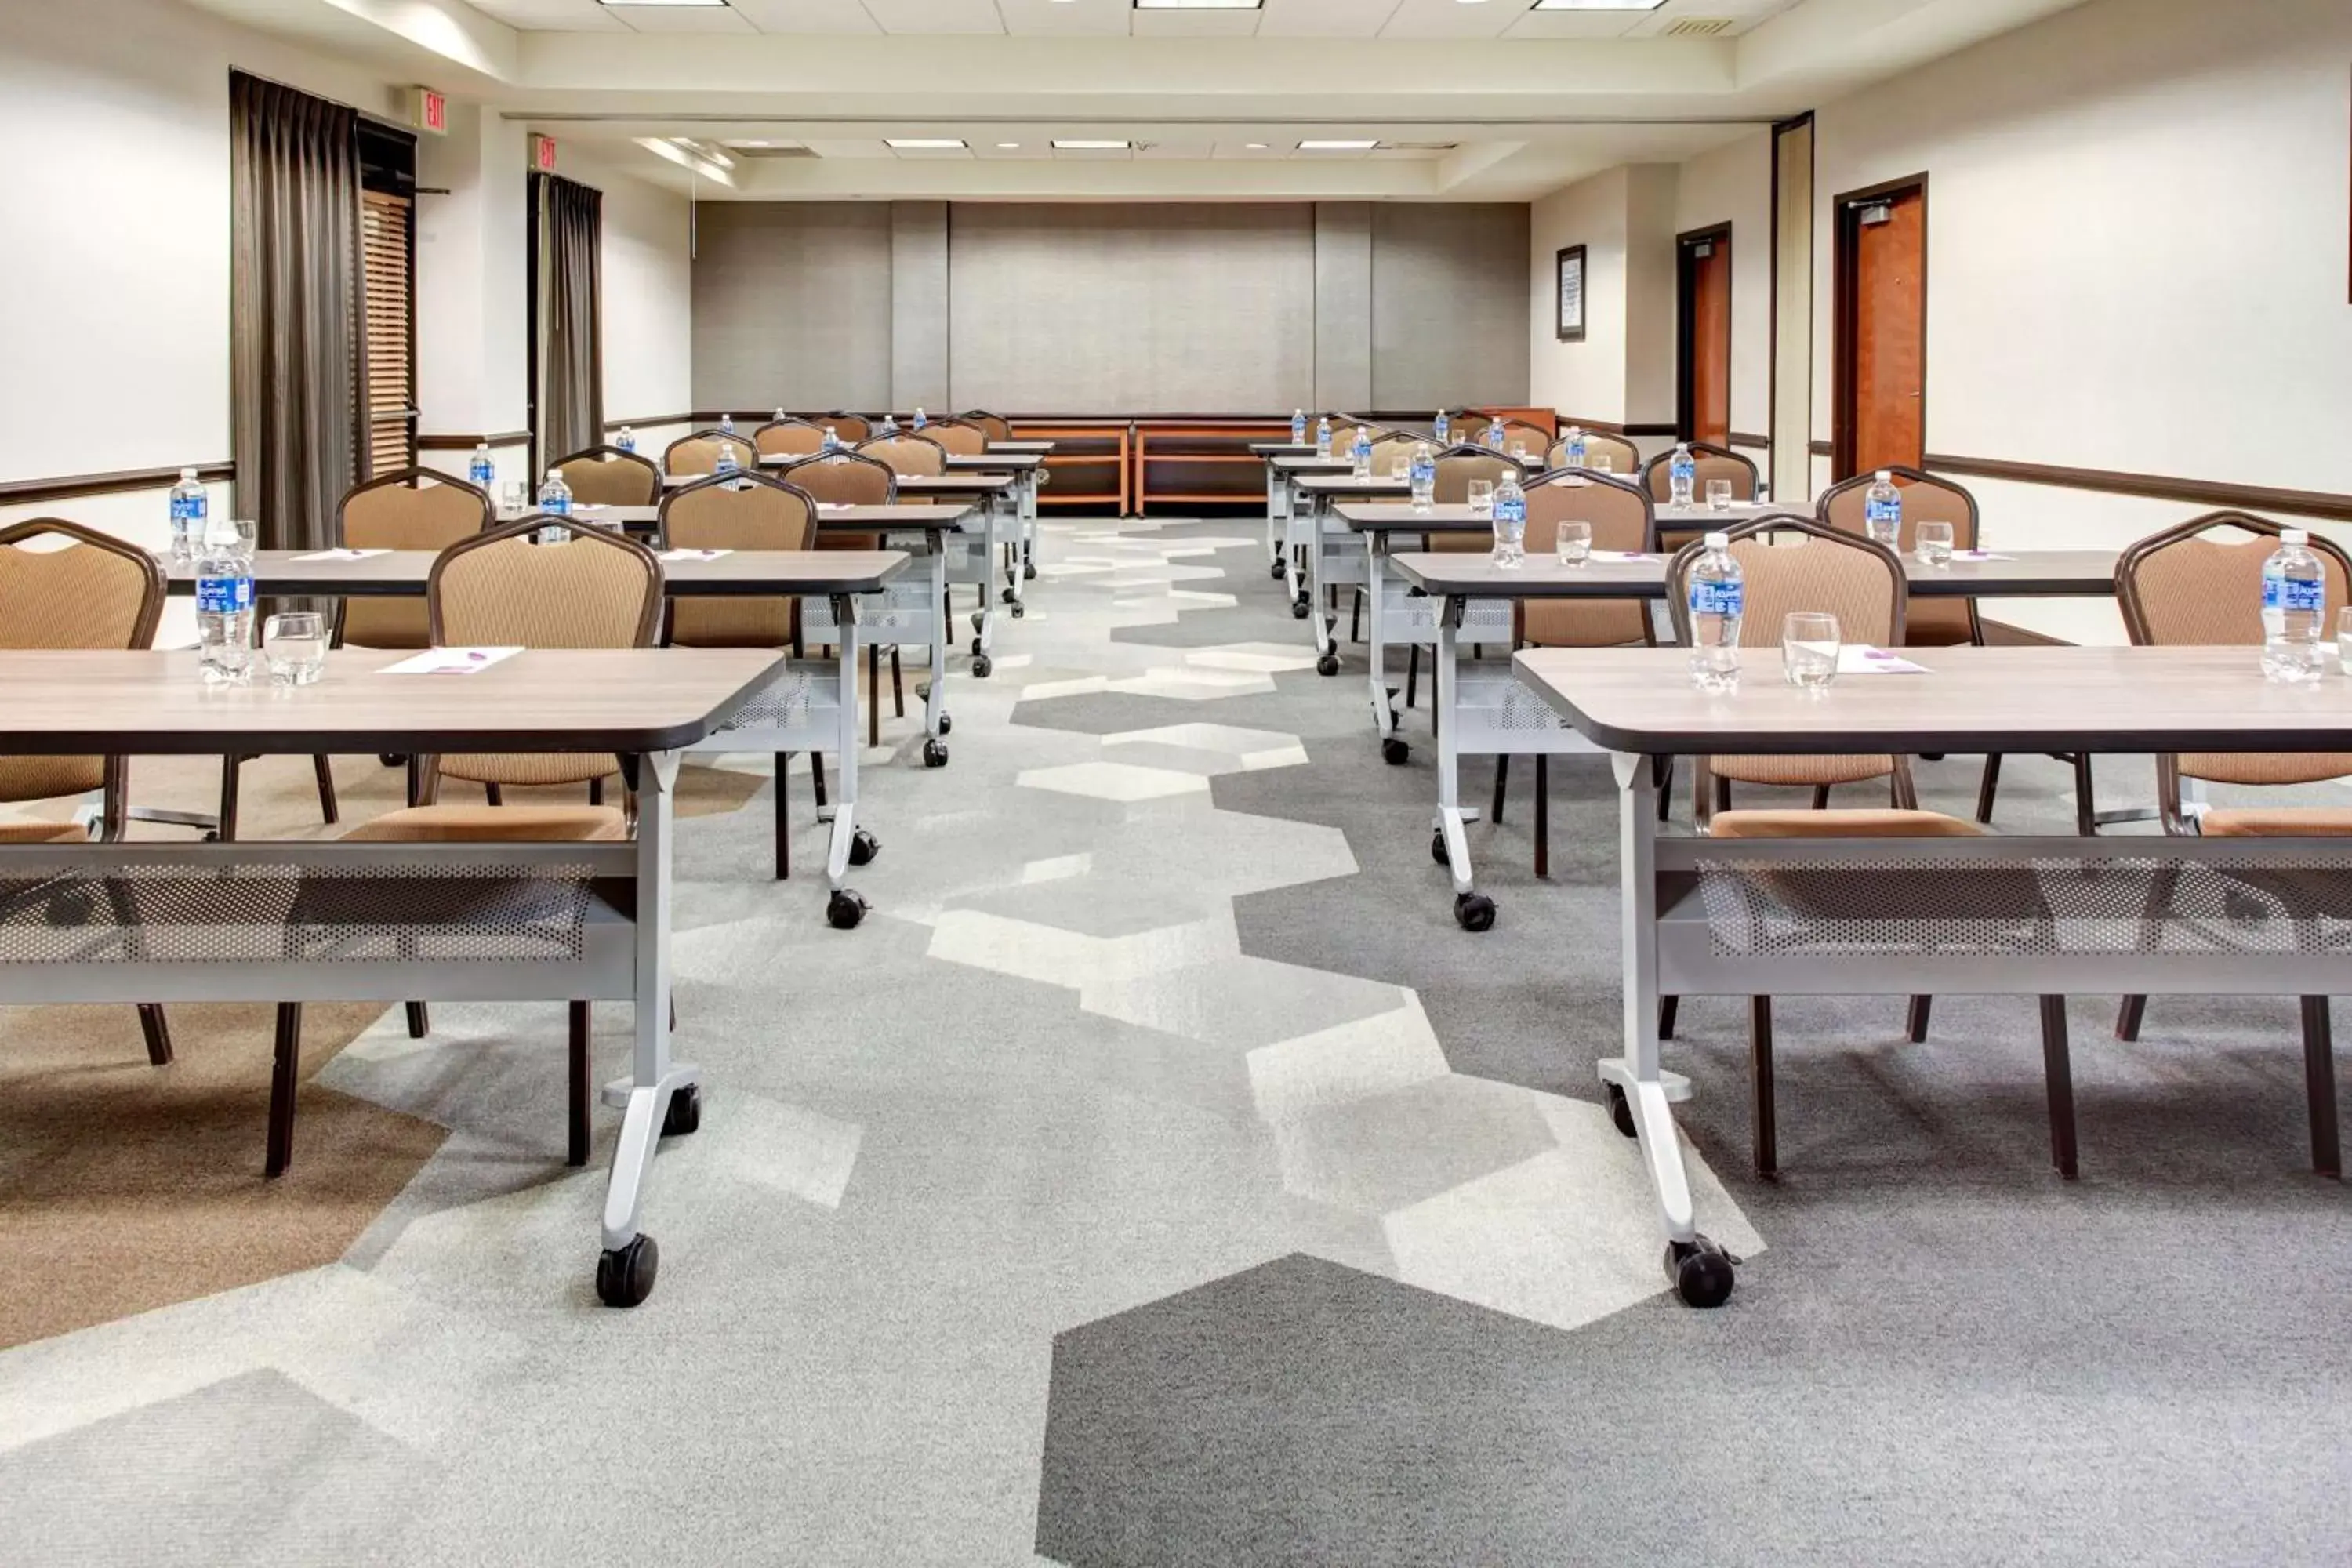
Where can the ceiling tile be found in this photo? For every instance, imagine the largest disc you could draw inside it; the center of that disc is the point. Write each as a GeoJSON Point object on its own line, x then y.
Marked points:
{"type": "Point", "coordinates": [806, 16]}
{"type": "Point", "coordinates": [684, 19]}
{"type": "Point", "coordinates": [848, 147]}
{"type": "Point", "coordinates": [1053, 18]}
{"type": "Point", "coordinates": [554, 15]}
{"type": "Point", "coordinates": [1324, 18]}
{"type": "Point", "coordinates": [933, 17]}
{"type": "Point", "coordinates": [1450, 19]}
{"type": "Point", "coordinates": [1176, 150]}
{"type": "Point", "coordinates": [1195, 24]}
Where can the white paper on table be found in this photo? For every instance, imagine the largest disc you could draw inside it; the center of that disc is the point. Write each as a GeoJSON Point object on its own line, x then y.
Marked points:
{"type": "Point", "coordinates": [1980, 555]}
{"type": "Point", "coordinates": [1624, 556]}
{"type": "Point", "coordinates": [835, 505]}
{"type": "Point", "coordinates": [1857, 658]}
{"type": "Point", "coordinates": [341, 554]}
{"type": "Point", "coordinates": [450, 661]}
{"type": "Point", "coordinates": [694, 554]}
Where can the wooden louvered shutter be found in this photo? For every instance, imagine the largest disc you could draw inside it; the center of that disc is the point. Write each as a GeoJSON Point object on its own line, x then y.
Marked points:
{"type": "Point", "coordinates": [388, 289]}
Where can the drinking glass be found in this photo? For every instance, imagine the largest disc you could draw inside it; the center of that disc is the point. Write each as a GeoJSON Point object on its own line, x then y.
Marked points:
{"type": "Point", "coordinates": [1718, 495]}
{"type": "Point", "coordinates": [1518, 451]}
{"type": "Point", "coordinates": [1809, 649]}
{"type": "Point", "coordinates": [1933, 540]}
{"type": "Point", "coordinates": [1575, 543]}
{"type": "Point", "coordinates": [295, 644]}
{"type": "Point", "coordinates": [1600, 463]}
{"type": "Point", "coordinates": [1482, 498]}
{"type": "Point", "coordinates": [2344, 639]}
{"type": "Point", "coordinates": [1401, 467]}
{"type": "Point", "coordinates": [517, 495]}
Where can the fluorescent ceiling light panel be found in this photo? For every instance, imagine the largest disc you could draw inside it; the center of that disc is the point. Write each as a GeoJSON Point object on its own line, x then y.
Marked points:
{"type": "Point", "coordinates": [1345, 146]}
{"type": "Point", "coordinates": [1598, 5]}
{"type": "Point", "coordinates": [1063, 146]}
{"type": "Point", "coordinates": [923, 144]}
{"type": "Point", "coordinates": [1200, 5]}
{"type": "Point", "coordinates": [624, 5]}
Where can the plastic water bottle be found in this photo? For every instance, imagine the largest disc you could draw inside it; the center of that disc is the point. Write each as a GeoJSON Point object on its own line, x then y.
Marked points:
{"type": "Point", "coordinates": [1495, 436]}
{"type": "Point", "coordinates": [225, 606]}
{"type": "Point", "coordinates": [1298, 426]}
{"type": "Point", "coordinates": [1424, 478]}
{"type": "Point", "coordinates": [726, 423]}
{"type": "Point", "coordinates": [779, 416]}
{"type": "Point", "coordinates": [626, 440]}
{"type": "Point", "coordinates": [1361, 453]}
{"type": "Point", "coordinates": [831, 444]}
{"type": "Point", "coordinates": [729, 465]}
{"type": "Point", "coordinates": [1719, 599]}
{"type": "Point", "coordinates": [889, 427]}
{"type": "Point", "coordinates": [1323, 437]}
{"type": "Point", "coordinates": [920, 418]}
{"type": "Point", "coordinates": [190, 505]}
{"type": "Point", "coordinates": [1882, 511]}
{"type": "Point", "coordinates": [1576, 446]}
{"type": "Point", "coordinates": [1510, 520]}
{"type": "Point", "coordinates": [555, 499]}
{"type": "Point", "coordinates": [2294, 600]}
{"type": "Point", "coordinates": [1682, 470]}
{"type": "Point", "coordinates": [1444, 429]}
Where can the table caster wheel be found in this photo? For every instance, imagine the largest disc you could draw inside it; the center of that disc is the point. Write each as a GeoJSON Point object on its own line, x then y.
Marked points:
{"type": "Point", "coordinates": [1474, 911]}
{"type": "Point", "coordinates": [390, 759]}
{"type": "Point", "coordinates": [1297, 609]}
{"type": "Point", "coordinates": [947, 723]}
{"type": "Point", "coordinates": [1437, 847]}
{"type": "Point", "coordinates": [1004, 596]}
{"type": "Point", "coordinates": [845, 910]}
{"type": "Point", "coordinates": [1020, 611]}
{"type": "Point", "coordinates": [625, 1277]}
{"type": "Point", "coordinates": [863, 848]}
{"type": "Point", "coordinates": [935, 754]}
{"type": "Point", "coordinates": [1327, 665]}
{"type": "Point", "coordinates": [685, 1113]}
{"type": "Point", "coordinates": [1277, 573]}
{"type": "Point", "coordinates": [1395, 751]}
{"type": "Point", "coordinates": [1700, 1271]}
{"type": "Point", "coordinates": [978, 621]}
{"type": "Point", "coordinates": [1028, 571]}
{"type": "Point", "coordinates": [212, 835]}
{"type": "Point", "coordinates": [1621, 1111]}
{"type": "Point", "coordinates": [981, 665]}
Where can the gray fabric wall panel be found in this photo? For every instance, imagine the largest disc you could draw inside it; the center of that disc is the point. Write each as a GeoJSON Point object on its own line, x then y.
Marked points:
{"type": "Point", "coordinates": [1343, 305]}
{"type": "Point", "coordinates": [1449, 318]}
{"type": "Point", "coordinates": [792, 305]}
{"type": "Point", "coordinates": [1141, 308]}
{"type": "Point", "coordinates": [919, 305]}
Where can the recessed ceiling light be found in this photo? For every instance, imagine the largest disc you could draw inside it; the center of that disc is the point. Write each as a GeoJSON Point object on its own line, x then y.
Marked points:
{"type": "Point", "coordinates": [1008, 146]}
{"type": "Point", "coordinates": [1062, 146]}
{"type": "Point", "coordinates": [923, 144]}
{"type": "Point", "coordinates": [624, 5]}
{"type": "Point", "coordinates": [1598, 5]}
{"type": "Point", "coordinates": [1199, 4]}
{"type": "Point", "coordinates": [1256, 146]}
{"type": "Point", "coordinates": [1341, 146]}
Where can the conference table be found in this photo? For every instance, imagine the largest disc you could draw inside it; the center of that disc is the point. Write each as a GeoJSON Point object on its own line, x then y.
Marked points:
{"type": "Point", "coordinates": [807, 707]}
{"type": "Point", "coordinates": [1464, 597]}
{"type": "Point", "coordinates": [295, 922]}
{"type": "Point", "coordinates": [2040, 916]}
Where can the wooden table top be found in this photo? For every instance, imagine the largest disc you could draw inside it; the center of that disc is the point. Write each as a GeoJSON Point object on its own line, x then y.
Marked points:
{"type": "Point", "coordinates": [928, 515]}
{"type": "Point", "coordinates": [2030, 575]}
{"type": "Point", "coordinates": [994, 460]}
{"type": "Point", "coordinates": [598, 700]}
{"type": "Point", "coordinates": [742, 573]}
{"type": "Point", "coordinates": [1339, 463]}
{"type": "Point", "coordinates": [907, 484]}
{"type": "Point", "coordinates": [2042, 699]}
{"type": "Point", "coordinates": [1022, 448]}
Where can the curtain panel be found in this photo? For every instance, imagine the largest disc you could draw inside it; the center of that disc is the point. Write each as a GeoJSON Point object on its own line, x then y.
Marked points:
{"type": "Point", "coordinates": [567, 335]}
{"type": "Point", "coordinates": [295, 346]}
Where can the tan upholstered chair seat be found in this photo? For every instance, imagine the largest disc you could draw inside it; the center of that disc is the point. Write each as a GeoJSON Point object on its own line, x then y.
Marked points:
{"type": "Point", "coordinates": [42, 833]}
{"type": "Point", "coordinates": [1841, 823]}
{"type": "Point", "coordinates": [1800, 771]}
{"type": "Point", "coordinates": [460, 823]}
{"type": "Point", "coordinates": [42, 778]}
{"type": "Point", "coordinates": [2277, 822]}
{"type": "Point", "coordinates": [2265, 767]}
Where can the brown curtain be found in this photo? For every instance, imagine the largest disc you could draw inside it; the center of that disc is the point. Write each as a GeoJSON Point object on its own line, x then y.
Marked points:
{"type": "Point", "coordinates": [567, 337]}
{"type": "Point", "coordinates": [295, 348]}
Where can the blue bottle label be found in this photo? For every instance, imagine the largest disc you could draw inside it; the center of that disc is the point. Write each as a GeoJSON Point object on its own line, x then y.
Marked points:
{"type": "Point", "coordinates": [626, 443]}
{"type": "Point", "coordinates": [1884, 512]}
{"type": "Point", "coordinates": [2306, 597]}
{"type": "Point", "coordinates": [1495, 436]}
{"type": "Point", "coordinates": [223, 595]}
{"type": "Point", "coordinates": [1685, 469]}
{"type": "Point", "coordinates": [1423, 472]}
{"type": "Point", "coordinates": [188, 509]}
{"type": "Point", "coordinates": [1722, 598]}
{"type": "Point", "coordinates": [560, 506]}
{"type": "Point", "coordinates": [1511, 509]}
{"type": "Point", "coordinates": [1444, 428]}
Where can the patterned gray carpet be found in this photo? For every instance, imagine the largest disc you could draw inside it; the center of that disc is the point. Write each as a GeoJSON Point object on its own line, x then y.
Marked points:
{"type": "Point", "coordinates": [1160, 1177]}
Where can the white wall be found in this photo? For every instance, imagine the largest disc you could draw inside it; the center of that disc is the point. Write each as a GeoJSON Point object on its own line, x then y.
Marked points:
{"type": "Point", "coordinates": [1733, 184]}
{"type": "Point", "coordinates": [1583, 380]}
{"type": "Point", "coordinates": [649, 292]}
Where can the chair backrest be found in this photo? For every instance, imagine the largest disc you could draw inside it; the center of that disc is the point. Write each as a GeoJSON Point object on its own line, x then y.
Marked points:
{"type": "Point", "coordinates": [756, 512]}
{"type": "Point", "coordinates": [1388, 447]}
{"type": "Point", "coordinates": [1535, 438]}
{"type": "Point", "coordinates": [95, 593]}
{"type": "Point", "coordinates": [993, 425]}
{"type": "Point", "coordinates": [1457, 466]}
{"type": "Point", "coordinates": [1711, 462]}
{"type": "Point", "coordinates": [788, 439]}
{"type": "Point", "coordinates": [851, 427]}
{"type": "Point", "coordinates": [415, 509]}
{"type": "Point", "coordinates": [698, 453]}
{"type": "Point", "coordinates": [961, 437]}
{"type": "Point", "coordinates": [1793, 563]}
{"type": "Point", "coordinates": [1624, 458]}
{"type": "Point", "coordinates": [1933, 623]}
{"type": "Point", "coordinates": [907, 453]}
{"type": "Point", "coordinates": [2184, 588]}
{"type": "Point", "coordinates": [845, 478]}
{"type": "Point", "coordinates": [1623, 518]}
{"type": "Point", "coordinates": [606, 476]}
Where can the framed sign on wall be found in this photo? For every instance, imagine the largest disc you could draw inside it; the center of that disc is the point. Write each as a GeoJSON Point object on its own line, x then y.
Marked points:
{"type": "Point", "coordinates": [1571, 265]}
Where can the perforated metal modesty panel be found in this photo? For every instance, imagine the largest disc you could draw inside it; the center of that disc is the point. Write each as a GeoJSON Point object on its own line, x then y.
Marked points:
{"type": "Point", "coordinates": [805, 689]}
{"type": "Point", "coordinates": [2044, 908]}
{"type": "Point", "coordinates": [265, 913]}
{"type": "Point", "coordinates": [1496, 704]}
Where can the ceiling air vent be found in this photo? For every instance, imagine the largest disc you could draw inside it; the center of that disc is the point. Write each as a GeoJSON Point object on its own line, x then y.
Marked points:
{"type": "Point", "coordinates": [741, 150]}
{"type": "Point", "coordinates": [1696, 28]}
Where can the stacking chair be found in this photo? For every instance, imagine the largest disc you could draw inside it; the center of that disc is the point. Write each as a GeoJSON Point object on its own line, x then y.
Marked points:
{"type": "Point", "coordinates": [788, 437]}
{"type": "Point", "coordinates": [414, 508]}
{"type": "Point", "coordinates": [990, 424]}
{"type": "Point", "coordinates": [1456, 467]}
{"type": "Point", "coordinates": [698, 453]}
{"type": "Point", "coordinates": [96, 593]}
{"type": "Point", "coordinates": [1624, 458]}
{"type": "Point", "coordinates": [1862, 584]}
{"type": "Point", "coordinates": [961, 437]}
{"type": "Point", "coordinates": [907, 455]}
{"type": "Point", "coordinates": [1534, 437]}
{"type": "Point", "coordinates": [606, 476]}
{"type": "Point", "coordinates": [597, 589]}
{"type": "Point", "coordinates": [1713, 462]}
{"type": "Point", "coordinates": [2183, 587]}
{"type": "Point", "coordinates": [756, 513]}
{"type": "Point", "coordinates": [851, 427]}
{"type": "Point", "coordinates": [854, 478]}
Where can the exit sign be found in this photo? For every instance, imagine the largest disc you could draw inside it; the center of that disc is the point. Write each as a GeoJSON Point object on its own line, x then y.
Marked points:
{"type": "Point", "coordinates": [542, 153]}
{"type": "Point", "coordinates": [429, 110]}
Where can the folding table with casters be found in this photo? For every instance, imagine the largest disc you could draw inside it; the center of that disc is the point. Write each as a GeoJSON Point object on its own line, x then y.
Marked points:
{"type": "Point", "coordinates": [969, 558]}
{"type": "Point", "coordinates": [1018, 557]}
{"type": "Point", "coordinates": [1277, 497]}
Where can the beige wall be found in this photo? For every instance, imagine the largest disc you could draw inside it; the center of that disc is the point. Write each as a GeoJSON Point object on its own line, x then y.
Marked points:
{"type": "Point", "coordinates": [1585, 380]}
{"type": "Point", "coordinates": [1733, 184]}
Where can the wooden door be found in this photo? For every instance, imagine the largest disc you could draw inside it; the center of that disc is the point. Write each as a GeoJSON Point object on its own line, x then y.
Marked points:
{"type": "Point", "coordinates": [1882, 351]}
{"type": "Point", "coordinates": [1705, 280]}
